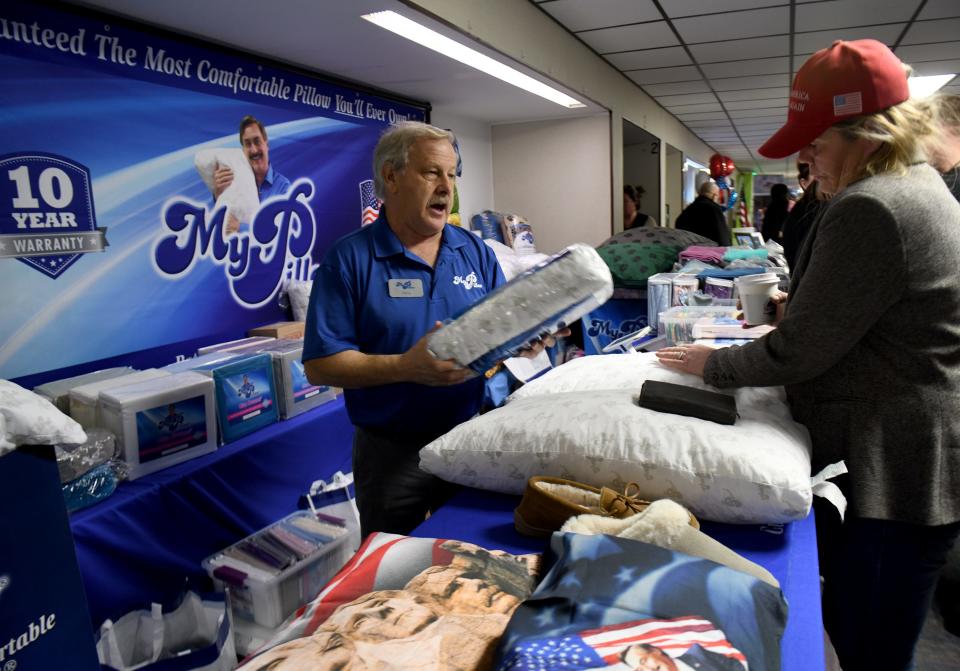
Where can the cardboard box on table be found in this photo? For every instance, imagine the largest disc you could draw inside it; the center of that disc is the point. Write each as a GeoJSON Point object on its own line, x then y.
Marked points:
{"type": "Point", "coordinates": [44, 619]}
{"type": "Point", "coordinates": [280, 330]}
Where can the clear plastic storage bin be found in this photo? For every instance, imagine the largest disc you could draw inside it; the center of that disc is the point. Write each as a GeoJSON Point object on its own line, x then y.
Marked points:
{"type": "Point", "coordinates": [677, 323]}
{"type": "Point", "coordinates": [267, 593]}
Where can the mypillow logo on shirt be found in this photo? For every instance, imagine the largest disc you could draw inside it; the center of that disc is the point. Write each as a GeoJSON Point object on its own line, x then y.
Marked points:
{"type": "Point", "coordinates": [468, 282]}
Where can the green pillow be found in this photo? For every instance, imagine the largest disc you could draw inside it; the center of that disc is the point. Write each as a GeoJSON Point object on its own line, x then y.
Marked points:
{"type": "Point", "coordinates": [631, 265]}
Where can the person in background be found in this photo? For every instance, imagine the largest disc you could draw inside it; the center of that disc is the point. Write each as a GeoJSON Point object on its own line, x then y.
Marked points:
{"type": "Point", "coordinates": [944, 151]}
{"type": "Point", "coordinates": [776, 212]}
{"type": "Point", "coordinates": [704, 216]}
{"type": "Point", "coordinates": [377, 295]}
{"type": "Point", "coordinates": [632, 216]}
{"type": "Point", "coordinates": [802, 215]}
{"type": "Point", "coordinates": [868, 347]}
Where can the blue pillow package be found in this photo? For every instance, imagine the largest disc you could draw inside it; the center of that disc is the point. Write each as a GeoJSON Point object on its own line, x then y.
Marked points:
{"type": "Point", "coordinates": [246, 396]}
{"type": "Point", "coordinates": [544, 299]}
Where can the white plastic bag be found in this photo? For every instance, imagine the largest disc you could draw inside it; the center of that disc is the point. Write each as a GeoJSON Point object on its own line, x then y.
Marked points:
{"type": "Point", "coordinates": [197, 636]}
{"type": "Point", "coordinates": [336, 498]}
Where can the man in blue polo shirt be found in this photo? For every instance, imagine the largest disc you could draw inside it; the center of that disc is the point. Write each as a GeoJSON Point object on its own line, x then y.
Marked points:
{"type": "Point", "coordinates": [253, 140]}
{"type": "Point", "coordinates": [376, 296]}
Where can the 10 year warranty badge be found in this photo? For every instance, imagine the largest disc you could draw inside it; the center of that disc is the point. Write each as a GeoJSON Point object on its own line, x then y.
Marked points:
{"type": "Point", "coordinates": [46, 212]}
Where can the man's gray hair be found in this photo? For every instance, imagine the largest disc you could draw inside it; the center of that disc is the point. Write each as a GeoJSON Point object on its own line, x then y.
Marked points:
{"type": "Point", "coordinates": [394, 147]}
{"type": "Point", "coordinates": [707, 188]}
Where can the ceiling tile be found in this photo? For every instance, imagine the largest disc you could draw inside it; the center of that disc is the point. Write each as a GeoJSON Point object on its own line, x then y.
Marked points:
{"type": "Point", "coordinates": [629, 38]}
{"type": "Point", "coordinates": [778, 104]}
{"type": "Point", "coordinates": [712, 123]}
{"type": "Point", "coordinates": [587, 14]}
{"type": "Point", "coordinates": [760, 66]}
{"type": "Point", "coordinates": [676, 88]}
{"type": "Point", "coordinates": [746, 115]}
{"type": "Point", "coordinates": [940, 9]}
{"type": "Point", "coordinates": [937, 67]}
{"type": "Point", "coordinates": [851, 13]}
{"type": "Point", "coordinates": [649, 58]}
{"type": "Point", "coordinates": [922, 32]}
{"type": "Point", "coordinates": [686, 99]}
{"type": "Point", "coordinates": [678, 8]}
{"type": "Point", "coordinates": [700, 116]}
{"type": "Point", "coordinates": [758, 47]}
{"type": "Point", "coordinates": [734, 25]}
{"type": "Point", "coordinates": [703, 107]}
{"type": "Point", "coordinates": [661, 75]}
{"type": "Point", "coordinates": [754, 82]}
{"type": "Point", "coordinates": [807, 43]}
{"type": "Point", "coordinates": [775, 93]}
{"type": "Point", "coordinates": [917, 53]}
{"type": "Point", "coordinates": [766, 118]}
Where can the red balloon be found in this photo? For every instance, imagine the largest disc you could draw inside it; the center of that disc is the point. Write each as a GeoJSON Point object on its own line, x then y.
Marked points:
{"type": "Point", "coordinates": [721, 166]}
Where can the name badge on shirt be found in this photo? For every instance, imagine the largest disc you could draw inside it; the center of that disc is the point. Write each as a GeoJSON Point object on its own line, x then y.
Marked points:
{"type": "Point", "coordinates": [405, 288]}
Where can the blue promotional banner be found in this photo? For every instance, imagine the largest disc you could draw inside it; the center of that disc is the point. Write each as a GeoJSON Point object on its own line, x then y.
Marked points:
{"type": "Point", "coordinates": [614, 319]}
{"type": "Point", "coordinates": [112, 244]}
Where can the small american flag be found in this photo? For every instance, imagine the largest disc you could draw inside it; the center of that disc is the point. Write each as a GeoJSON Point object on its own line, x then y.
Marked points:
{"type": "Point", "coordinates": [369, 203]}
{"type": "Point", "coordinates": [598, 648]}
{"type": "Point", "coordinates": [848, 103]}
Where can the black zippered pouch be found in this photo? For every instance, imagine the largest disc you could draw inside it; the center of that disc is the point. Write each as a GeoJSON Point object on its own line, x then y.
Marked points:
{"type": "Point", "coordinates": [678, 399]}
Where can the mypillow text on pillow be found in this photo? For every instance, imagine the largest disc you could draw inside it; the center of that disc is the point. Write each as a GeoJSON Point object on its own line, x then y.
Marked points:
{"type": "Point", "coordinates": [580, 421]}
{"type": "Point", "coordinates": [241, 197]}
{"type": "Point", "coordinates": [406, 603]}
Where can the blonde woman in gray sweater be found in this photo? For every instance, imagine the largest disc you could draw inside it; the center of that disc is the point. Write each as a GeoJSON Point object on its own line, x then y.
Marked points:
{"type": "Point", "coordinates": [868, 347]}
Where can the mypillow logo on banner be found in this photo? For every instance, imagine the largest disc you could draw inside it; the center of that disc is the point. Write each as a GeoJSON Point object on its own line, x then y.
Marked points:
{"type": "Point", "coordinates": [276, 244]}
{"type": "Point", "coordinates": [46, 212]}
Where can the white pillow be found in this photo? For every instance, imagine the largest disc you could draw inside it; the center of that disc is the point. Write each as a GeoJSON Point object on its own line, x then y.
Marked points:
{"type": "Point", "coordinates": [298, 293]}
{"type": "Point", "coordinates": [755, 471]}
{"type": "Point", "coordinates": [241, 197]}
{"type": "Point", "coordinates": [511, 263]}
{"type": "Point", "coordinates": [29, 419]}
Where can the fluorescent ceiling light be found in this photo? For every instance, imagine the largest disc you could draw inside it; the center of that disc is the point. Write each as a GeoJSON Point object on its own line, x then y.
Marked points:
{"type": "Point", "coordinates": [431, 39]}
{"type": "Point", "coordinates": [921, 87]}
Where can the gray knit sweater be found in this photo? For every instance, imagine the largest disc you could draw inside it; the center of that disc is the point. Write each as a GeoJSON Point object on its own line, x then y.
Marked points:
{"type": "Point", "coordinates": [869, 348]}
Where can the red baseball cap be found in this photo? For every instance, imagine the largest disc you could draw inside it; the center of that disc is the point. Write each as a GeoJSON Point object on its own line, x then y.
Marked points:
{"type": "Point", "coordinates": [845, 80]}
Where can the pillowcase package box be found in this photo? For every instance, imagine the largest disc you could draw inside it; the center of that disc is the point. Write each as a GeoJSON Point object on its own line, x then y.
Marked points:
{"type": "Point", "coordinates": [295, 393]}
{"type": "Point", "coordinates": [85, 399]}
{"type": "Point", "coordinates": [162, 421]}
{"type": "Point", "coordinates": [246, 396]}
{"type": "Point", "coordinates": [544, 299]}
{"type": "Point", "coordinates": [195, 363]}
{"type": "Point", "coordinates": [58, 391]}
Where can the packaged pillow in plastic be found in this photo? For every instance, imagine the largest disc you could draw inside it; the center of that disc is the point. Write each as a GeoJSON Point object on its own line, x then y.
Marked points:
{"type": "Point", "coordinates": [241, 197]}
{"type": "Point", "coordinates": [94, 486]}
{"type": "Point", "coordinates": [298, 295]}
{"type": "Point", "coordinates": [511, 263]}
{"type": "Point", "coordinates": [518, 235]}
{"type": "Point", "coordinates": [75, 459]}
{"type": "Point", "coordinates": [542, 300]}
{"type": "Point", "coordinates": [489, 224]}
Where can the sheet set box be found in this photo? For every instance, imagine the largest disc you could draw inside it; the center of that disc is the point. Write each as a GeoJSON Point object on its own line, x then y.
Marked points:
{"type": "Point", "coordinates": [274, 571]}
{"type": "Point", "coordinates": [295, 393]}
{"type": "Point", "coordinates": [58, 391]}
{"type": "Point", "coordinates": [162, 421]}
{"type": "Point", "coordinates": [85, 399]}
{"type": "Point", "coordinates": [232, 345]}
{"type": "Point", "coordinates": [544, 299]}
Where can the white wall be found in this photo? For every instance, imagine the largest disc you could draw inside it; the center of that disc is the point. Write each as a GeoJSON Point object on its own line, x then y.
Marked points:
{"type": "Point", "coordinates": [475, 185]}
{"type": "Point", "coordinates": [673, 187]}
{"type": "Point", "coordinates": [557, 175]}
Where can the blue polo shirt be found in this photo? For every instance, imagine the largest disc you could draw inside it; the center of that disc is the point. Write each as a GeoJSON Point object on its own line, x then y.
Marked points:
{"type": "Point", "coordinates": [351, 308]}
{"type": "Point", "coordinates": [274, 184]}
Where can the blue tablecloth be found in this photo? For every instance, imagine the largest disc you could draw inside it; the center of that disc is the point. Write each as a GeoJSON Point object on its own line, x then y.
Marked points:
{"type": "Point", "coordinates": [486, 518]}
{"type": "Point", "coordinates": [144, 542]}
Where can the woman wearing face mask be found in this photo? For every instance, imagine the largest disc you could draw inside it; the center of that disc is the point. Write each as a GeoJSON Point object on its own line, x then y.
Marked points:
{"type": "Point", "coordinates": [868, 347]}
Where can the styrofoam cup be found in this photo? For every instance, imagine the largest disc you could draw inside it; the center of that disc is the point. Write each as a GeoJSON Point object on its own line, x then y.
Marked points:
{"type": "Point", "coordinates": [754, 297]}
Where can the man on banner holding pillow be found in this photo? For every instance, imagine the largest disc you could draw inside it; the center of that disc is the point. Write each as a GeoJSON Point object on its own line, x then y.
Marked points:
{"type": "Point", "coordinates": [376, 296]}
{"type": "Point", "coordinates": [253, 140]}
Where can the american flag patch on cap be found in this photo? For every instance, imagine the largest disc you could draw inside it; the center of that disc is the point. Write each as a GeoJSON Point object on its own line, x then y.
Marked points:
{"type": "Point", "coordinates": [848, 103]}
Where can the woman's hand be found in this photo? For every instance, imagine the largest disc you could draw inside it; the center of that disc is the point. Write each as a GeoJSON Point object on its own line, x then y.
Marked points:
{"type": "Point", "coordinates": [685, 358]}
